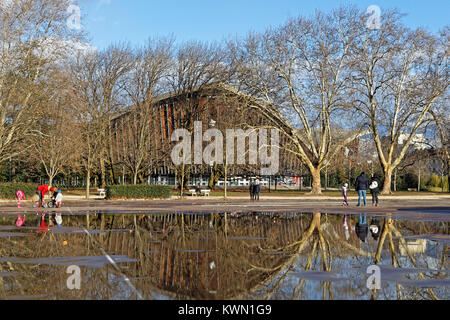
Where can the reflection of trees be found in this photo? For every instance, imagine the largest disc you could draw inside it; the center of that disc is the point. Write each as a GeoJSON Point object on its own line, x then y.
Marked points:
{"type": "Point", "coordinates": [47, 279]}
{"type": "Point", "coordinates": [389, 229]}
{"type": "Point", "coordinates": [202, 256]}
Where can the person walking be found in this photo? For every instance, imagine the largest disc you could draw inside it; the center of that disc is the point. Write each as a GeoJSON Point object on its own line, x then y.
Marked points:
{"type": "Point", "coordinates": [252, 190]}
{"type": "Point", "coordinates": [374, 190]}
{"type": "Point", "coordinates": [361, 186]}
{"type": "Point", "coordinates": [257, 189]}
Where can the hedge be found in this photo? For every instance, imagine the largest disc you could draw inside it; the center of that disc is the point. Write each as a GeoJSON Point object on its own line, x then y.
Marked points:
{"type": "Point", "coordinates": [138, 192]}
{"type": "Point", "coordinates": [8, 190]}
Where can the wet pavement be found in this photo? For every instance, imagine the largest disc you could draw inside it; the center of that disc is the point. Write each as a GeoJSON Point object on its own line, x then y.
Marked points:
{"type": "Point", "coordinates": [439, 207]}
{"type": "Point", "coordinates": [253, 254]}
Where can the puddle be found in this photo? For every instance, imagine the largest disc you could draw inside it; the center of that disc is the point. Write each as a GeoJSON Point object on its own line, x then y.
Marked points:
{"type": "Point", "coordinates": [317, 276]}
{"type": "Point", "coordinates": [64, 230]}
{"type": "Point", "coordinates": [93, 262]}
{"type": "Point", "coordinates": [433, 283]}
{"type": "Point", "coordinates": [434, 237]}
{"type": "Point", "coordinates": [246, 238]}
{"type": "Point", "coordinates": [11, 234]}
{"type": "Point", "coordinates": [171, 256]}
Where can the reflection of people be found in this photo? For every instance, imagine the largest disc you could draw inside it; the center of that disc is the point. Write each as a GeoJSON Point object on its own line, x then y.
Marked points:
{"type": "Point", "coordinates": [58, 219]}
{"type": "Point", "coordinates": [374, 190]}
{"type": "Point", "coordinates": [20, 196]}
{"type": "Point", "coordinates": [375, 229]}
{"type": "Point", "coordinates": [20, 222]}
{"type": "Point", "coordinates": [42, 227]}
{"type": "Point", "coordinates": [361, 228]}
{"type": "Point", "coordinates": [361, 185]}
{"type": "Point", "coordinates": [345, 225]}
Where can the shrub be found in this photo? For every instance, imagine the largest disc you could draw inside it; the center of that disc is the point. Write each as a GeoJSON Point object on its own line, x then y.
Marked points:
{"type": "Point", "coordinates": [8, 190]}
{"type": "Point", "coordinates": [435, 181]}
{"type": "Point", "coordinates": [138, 192]}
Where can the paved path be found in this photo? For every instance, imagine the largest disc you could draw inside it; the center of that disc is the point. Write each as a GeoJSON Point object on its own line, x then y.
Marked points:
{"type": "Point", "coordinates": [437, 207]}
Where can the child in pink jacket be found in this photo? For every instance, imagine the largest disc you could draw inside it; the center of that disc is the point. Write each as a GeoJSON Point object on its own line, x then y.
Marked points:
{"type": "Point", "coordinates": [20, 196]}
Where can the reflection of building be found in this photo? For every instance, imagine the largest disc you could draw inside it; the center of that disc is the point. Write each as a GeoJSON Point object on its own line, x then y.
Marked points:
{"type": "Point", "coordinates": [413, 247]}
{"type": "Point", "coordinates": [205, 262]}
{"type": "Point", "coordinates": [196, 256]}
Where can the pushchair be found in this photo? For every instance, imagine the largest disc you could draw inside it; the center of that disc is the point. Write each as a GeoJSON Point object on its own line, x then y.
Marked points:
{"type": "Point", "coordinates": [52, 203]}
{"type": "Point", "coordinates": [38, 204]}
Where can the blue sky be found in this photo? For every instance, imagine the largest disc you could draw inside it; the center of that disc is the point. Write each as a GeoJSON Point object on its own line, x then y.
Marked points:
{"type": "Point", "coordinates": [134, 21]}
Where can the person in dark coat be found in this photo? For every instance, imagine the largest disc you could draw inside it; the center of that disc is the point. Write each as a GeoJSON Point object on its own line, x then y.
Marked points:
{"type": "Point", "coordinates": [361, 228]}
{"type": "Point", "coordinates": [374, 190]}
{"type": "Point", "coordinates": [361, 186]}
{"type": "Point", "coordinates": [257, 189]}
{"type": "Point", "coordinates": [252, 191]}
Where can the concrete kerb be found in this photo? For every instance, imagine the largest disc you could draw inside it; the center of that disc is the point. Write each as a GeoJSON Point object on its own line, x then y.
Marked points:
{"type": "Point", "coordinates": [268, 198]}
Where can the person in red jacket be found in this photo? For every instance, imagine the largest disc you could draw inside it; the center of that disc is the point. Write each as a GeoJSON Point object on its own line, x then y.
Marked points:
{"type": "Point", "coordinates": [42, 191]}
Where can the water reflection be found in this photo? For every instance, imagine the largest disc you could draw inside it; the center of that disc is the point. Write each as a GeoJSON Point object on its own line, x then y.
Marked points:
{"type": "Point", "coordinates": [226, 256]}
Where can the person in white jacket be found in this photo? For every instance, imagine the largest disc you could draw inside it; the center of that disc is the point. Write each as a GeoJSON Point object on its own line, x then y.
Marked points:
{"type": "Point", "coordinates": [58, 199]}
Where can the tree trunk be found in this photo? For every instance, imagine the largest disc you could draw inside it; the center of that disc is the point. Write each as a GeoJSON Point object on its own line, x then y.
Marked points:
{"type": "Point", "coordinates": [395, 180]}
{"type": "Point", "coordinates": [316, 187]}
{"type": "Point", "coordinates": [112, 173]}
{"type": "Point", "coordinates": [418, 183]}
{"type": "Point", "coordinates": [135, 176]}
{"type": "Point", "coordinates": [387, 181]}
{"type": "Point", "coordinates": [88, 183]}
{"type": "Point", "coordinates": [182, 180]}
{"type": "Point", "coordinates": [103, 174]}
{"type": "Point", "coordinates": [226, 180]}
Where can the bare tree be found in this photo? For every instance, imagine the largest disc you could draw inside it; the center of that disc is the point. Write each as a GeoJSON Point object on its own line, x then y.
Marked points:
{"type": "Point", "coordinates": [98, 89]}
{"type": "Point", "coordinates": [196, 66]}
{"type": "Point", "coordinates": [298, 75]}
{"type": "Point", "coordinates": [398, 74]}
{"type": "Point", "coordinates": [32, 36]}
{"type": "Point", "coordinates": [55, 141]}
{"type": "Point", "coordinates": [151, 65]}
{"type": "Point", "coordinates": [440, 115]}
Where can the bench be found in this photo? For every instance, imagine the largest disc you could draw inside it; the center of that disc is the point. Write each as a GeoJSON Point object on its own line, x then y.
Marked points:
{"type": "Point", "coordinates": [412, 190]}
{"type": "Point", "coordinates": [102, 192]}
{"type": "Point", "coordinates": [206, 192]}
{"type": "Point", "coordinates": [193, 192]}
